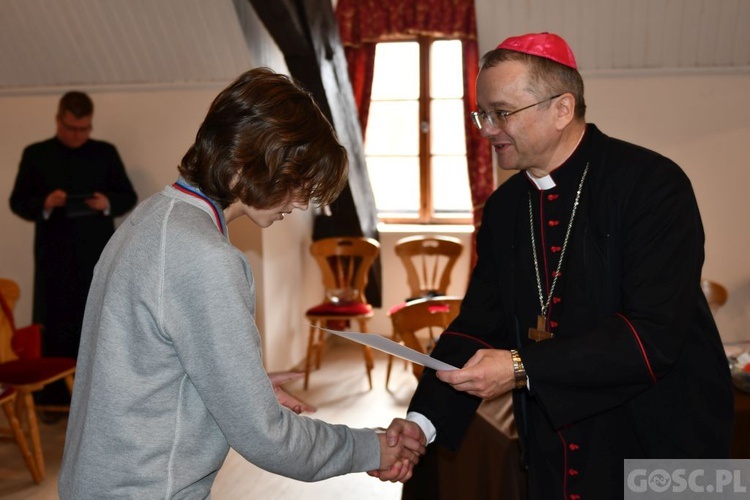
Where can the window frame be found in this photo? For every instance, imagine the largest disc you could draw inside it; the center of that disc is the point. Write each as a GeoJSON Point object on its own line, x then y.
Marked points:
{"type": "Point", "coordinates": [426, 215]}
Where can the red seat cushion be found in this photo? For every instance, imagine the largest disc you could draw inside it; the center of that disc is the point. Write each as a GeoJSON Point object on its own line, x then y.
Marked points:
{"type": "Point", "coordinates": [343, 309]}
{"type": "Point", "coordinates": [31, 371]}
{"type": "Point", "coordinates": [437, 308]}
{"type": "Point", "coordinates": [396, 308]}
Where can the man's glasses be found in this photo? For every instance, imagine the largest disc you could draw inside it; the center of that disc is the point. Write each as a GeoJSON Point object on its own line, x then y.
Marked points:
{"type": "Point", "coordinates": [493, 117]}
{"type": "Point", "coordinates": [73, 128]}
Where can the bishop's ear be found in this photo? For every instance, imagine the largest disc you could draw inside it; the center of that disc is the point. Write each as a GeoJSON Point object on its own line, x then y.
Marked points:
{"type": "Point", "coordinates": [565, 106]}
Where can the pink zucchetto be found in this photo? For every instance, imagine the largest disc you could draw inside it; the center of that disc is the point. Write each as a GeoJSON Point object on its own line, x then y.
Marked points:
{"type": "Point", "coordinates": [547, 45]}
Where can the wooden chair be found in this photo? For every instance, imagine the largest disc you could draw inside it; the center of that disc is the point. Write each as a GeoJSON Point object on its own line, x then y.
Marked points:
{"type": "Point", "coordinates": [429, 260]}
{"type": "Point", "coordinates": [417, 315]}
{"type": "Point", "coordinates": [8, 401]}
{"type": "Point", "coordinates": [9, 291]}
{"type": "Point", "coordinates": [344, 263]}
{"type": "Point", "coordinates": [28, 372]}
{"type": "Point", "coordinates": [716, 294]}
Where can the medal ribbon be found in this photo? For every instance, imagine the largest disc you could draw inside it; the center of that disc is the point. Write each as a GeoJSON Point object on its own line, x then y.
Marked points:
{"type": "Point", "coordinates": [197, 194]}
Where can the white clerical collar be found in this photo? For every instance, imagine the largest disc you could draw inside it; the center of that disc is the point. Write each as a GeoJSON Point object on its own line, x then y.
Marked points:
{"type": "Point", "coordinates": [542, 183]}
{"type": "Point", "coordinates": [547, 182]}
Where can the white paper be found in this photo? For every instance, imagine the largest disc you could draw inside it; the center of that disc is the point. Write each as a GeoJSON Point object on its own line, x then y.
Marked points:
{"type": "Point", "coordinates": [384, 344]}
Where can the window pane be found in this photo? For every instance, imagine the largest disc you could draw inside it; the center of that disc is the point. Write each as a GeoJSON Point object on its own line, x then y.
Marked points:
{"type": "Point", "coordinates": [396, 73]}
{"type": "Point", "coordinates": [395, 183]}
{"type": "Point", "coordinates": [451, 194]}
{"type": "Point", "coordinates": [393, 128]}
{"type": "Point", "coordinates": [446, 69]}
{"type": "Point", "coordinates": [447, 136]}
{"type": "Point", "coordinates": [393, 138]}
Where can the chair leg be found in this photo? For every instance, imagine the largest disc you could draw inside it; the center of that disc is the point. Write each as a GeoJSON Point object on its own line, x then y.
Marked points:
{"type": "Point", "coordinates": [69, 383]}
{"type": "Point", "coordinates": [388, 371]}
{"type": "Point", "coordinates": [33, 428]}
{"type": "Point", "coordinates": [310, 347]}
{"type": "Point", "coordinates": [394, 338]}
{"type": "Point", "coordinates": [319, 343]}
{"type": "Point", "coordinates": [369, 363]}
{"type": "Point", "coordinates": [15, 426]}
{"type": "Point", "coordinates": [389, 367]}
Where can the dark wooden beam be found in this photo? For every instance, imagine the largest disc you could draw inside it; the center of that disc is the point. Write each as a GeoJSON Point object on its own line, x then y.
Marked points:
{"type": "Point", "coordinates": [306, 31]}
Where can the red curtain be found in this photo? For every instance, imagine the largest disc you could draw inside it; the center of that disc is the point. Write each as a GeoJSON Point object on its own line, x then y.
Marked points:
{"type": "Point", "coordinates": [361, 63]}
{"type": "Point", "coordinates": [478, 152]}
{"type": "Point", "coordinates": [363, 23]}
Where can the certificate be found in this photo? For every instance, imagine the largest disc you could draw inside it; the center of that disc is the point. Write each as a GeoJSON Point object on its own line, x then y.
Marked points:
{"type": "Point", "coordinates": [387, 345]}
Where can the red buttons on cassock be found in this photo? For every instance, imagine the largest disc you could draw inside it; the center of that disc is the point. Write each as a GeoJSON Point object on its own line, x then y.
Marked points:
{"type": "Point", "coordinates": [572, 472]}
{"type": "Point", "coordinates": [575, 497]}
{"type": "Point", "coordinates": [556, 300]}
{"type": "Point", "coordinates": [553, 324]}
{"type": "Point", "coordinates": [555, 249]}
{"type": "Point", "coordinates": [553, 223]}
{"type": "Point", "coordinates": [552, 197]}
{"type": "Point", "coordinates": [573, 446]}
{"type": "Point", "coordinates": [556, 274]}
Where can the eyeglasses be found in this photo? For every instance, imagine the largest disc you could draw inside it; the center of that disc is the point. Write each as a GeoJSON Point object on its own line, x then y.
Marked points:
{"type": "Point", "coordinates": [491, 117]}
{"type": "Point", "coordinates": [73, 128]}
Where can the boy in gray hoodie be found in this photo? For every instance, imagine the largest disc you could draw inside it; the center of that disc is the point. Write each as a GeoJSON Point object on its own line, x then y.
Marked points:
{"type": "Point", "coordinates": [170, 374]}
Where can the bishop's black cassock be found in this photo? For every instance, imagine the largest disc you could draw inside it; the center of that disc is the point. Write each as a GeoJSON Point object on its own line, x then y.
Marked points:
{"type": "Point", "coordinates": [636, 368]}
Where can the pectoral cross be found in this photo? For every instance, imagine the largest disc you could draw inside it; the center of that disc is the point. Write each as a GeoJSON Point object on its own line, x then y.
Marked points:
{"type": "Point", "coordinates": [539, 333]}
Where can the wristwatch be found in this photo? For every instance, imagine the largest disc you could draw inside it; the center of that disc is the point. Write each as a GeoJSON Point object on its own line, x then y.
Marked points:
{"type": "Point", "coordinates": [519, 372]}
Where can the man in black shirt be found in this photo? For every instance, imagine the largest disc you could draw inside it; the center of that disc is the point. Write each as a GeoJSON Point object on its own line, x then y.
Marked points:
{"type": "Point", "coordinates": [71, 187]}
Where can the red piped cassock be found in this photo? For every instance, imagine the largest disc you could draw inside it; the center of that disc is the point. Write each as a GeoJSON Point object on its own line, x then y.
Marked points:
{"type": "Point", "coordinates": [636, 368]}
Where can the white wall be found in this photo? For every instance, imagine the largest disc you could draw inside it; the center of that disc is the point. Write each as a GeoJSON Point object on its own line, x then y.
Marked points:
{"type": "Point", "coordinates": [701, 122]}
{"type": "Point", "coordinates": [152, 128]}
{"type": "Point", "coordinates": [697, 120]}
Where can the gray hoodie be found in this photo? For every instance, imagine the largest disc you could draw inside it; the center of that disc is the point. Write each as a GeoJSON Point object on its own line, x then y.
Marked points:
{"type": "Point", "coordinates": [170, 374]}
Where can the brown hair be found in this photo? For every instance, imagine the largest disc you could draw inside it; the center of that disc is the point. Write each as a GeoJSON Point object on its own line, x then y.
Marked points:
{"type": "Point", "coordinates": [263, 140]}
{"type": "Point", "coordinates": [76, 103]}
{"type": "Point", "coordinates": [546, 77]}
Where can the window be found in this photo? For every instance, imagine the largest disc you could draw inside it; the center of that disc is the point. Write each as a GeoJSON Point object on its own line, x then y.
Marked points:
{"type": "Point", "coordinates": [415, 145]}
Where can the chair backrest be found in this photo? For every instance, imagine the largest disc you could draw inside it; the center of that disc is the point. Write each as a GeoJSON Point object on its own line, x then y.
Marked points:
{"type": "Point", "coordinates": [9, 293]}
{"type": "Point", "coordinates": [429, 260]}
{"type": "Point", "coordinates": [15, 342]}
{"type": "Point", "coordinates": [432, 312]}
{"type": "Point", "coordinates": [344, 264]}
{"type": "Point", "coordinates": [716, 294]}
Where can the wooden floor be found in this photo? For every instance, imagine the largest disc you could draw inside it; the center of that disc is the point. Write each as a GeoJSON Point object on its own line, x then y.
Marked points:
{"type": "Point", "coordinates": [340, 392]}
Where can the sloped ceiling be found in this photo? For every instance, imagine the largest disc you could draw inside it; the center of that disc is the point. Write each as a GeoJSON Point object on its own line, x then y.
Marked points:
{"type": "Point", "coordinates": [54, 43]}
{"type": "Point", "coordinates": [94, 42]}
{"type": "Point", "coordinates": [621, 36]}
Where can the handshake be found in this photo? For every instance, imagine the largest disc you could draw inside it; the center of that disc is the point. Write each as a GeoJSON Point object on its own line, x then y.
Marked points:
{"type": "Point", "coordinates": [401, 446]}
